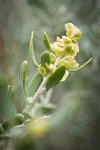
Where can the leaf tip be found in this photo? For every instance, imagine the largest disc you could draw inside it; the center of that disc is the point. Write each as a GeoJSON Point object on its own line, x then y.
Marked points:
{"type": "Point", "coordinates": [90, 59]}
{"type": "Point", "coordinates": [26, 62]}
{"type": "Point", "coordinates": [32, 33]}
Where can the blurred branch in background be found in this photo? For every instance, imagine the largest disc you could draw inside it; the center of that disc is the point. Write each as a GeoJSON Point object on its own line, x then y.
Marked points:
{"type": "Point", "coordinates": [3, 58]}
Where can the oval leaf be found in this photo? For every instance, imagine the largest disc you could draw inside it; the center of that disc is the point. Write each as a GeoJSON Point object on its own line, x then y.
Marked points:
{"type": "Point", "coordinates": [34, 84]}
{"type": "Point", "coordinates": [45, 58]}
{"type": "Point", "coordinates": [46, 41]}
{"type": "Point", "coordinates": [22, 75]}
{"type": "Point", "coordinates": [31, 51]}
{"type": "Point", "coordinates": [55, 77]}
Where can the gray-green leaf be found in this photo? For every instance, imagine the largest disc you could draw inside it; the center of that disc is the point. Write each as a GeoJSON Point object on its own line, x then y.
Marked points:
{"type": "Point", "coordinates": [34, 84]}
{"type": "Point", "coordinates": [46, 41]}
{"type": "Point", "coordinates": [55, 77]}
{"type": "Point", "coordinates": [45, 58]}
{"type": "Point", "coordinates": [22, 75]}
{"type": "Point", "coordinates": [31, 51]}
{"type": "Point", "coordinates": [9, 89]}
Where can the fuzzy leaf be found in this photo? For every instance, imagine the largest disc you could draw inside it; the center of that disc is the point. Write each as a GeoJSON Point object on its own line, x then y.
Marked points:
{"type": "Point", "coordinates": [45, 58]}
{"type": "Point", "coordinates": [55, 77]}
{"type": "Point", "coordinates": [46, 41]}
{"type": "Point", "coordinates": [34, 84]}
{"type": "Point", "coordinates": [31, 51]}
{"type": "Point", "coordinates": [22, 75]}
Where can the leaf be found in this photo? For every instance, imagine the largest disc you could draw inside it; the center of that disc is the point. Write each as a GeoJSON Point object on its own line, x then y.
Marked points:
{"type": "Point", "coordinates": [34, 84]}
{"type": "Point", "coordinates": [55, 77]}
{"type": "Point", "coordinates": [46, 41]}
{"type": "Point", "coordinates": [9, 90]}
{"type": "Point", "coordinates": [9, 95]}
{"type": "Point", "coordinates": [31, 51]}
{"type": "Point", "coordinates": [22, 75]}
{"type": "Point", "coordinates": [81, 67]}
{"type": "Point", "coordinates": [6, 104]}
{"type": "Point", "coordinates": [45, 58]}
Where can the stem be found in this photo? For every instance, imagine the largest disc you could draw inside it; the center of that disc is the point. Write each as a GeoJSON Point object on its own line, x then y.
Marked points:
{"type": "Point", "coordinates": [40, 89]}
{"type": "Point", "coordinates": [37, 94]}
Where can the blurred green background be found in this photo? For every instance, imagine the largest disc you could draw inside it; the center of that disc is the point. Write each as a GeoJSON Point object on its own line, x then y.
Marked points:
{"type": "Point", "coordinates": [78, 98]}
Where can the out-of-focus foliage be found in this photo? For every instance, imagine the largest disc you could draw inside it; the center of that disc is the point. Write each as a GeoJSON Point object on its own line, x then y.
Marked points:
{"type": "Point", "coordinates": [6, 106]}
{"type": "Point", "coordinates": [78, 115]}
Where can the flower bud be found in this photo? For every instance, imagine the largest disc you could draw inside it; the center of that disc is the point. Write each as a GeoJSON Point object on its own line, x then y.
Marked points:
{"type": "Point", "coordinates": [6, 124]}
{"type": "Point", "coordinates": [58, 48]}
{"type": "Point", "coordinates": [74, 41]}
{"type": "Point", "coordinates": [72, 31]}
{"type": "Point", "coordinates": [52, 58]}
{"type": "Point", "coordinates": [44, 71]}
{"type": "Point", "coordinates": [58, 39]}
{"type": "Point", "coordinates": [69, 62]}
{"type": "Point", "coordinates": [75, 48]}
{"type": "Point", "coordinates": [19, 119]}
{"type": "Point", "coordinates": [72, 49]}
{"type": "Point", "coordinates": [66, 39]}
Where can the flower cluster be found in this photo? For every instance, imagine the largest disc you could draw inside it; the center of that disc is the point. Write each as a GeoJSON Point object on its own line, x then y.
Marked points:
{"type": "Point", "coordinates": [68, 46]}
{"type": "Point", "coordinates": [65, 49]}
